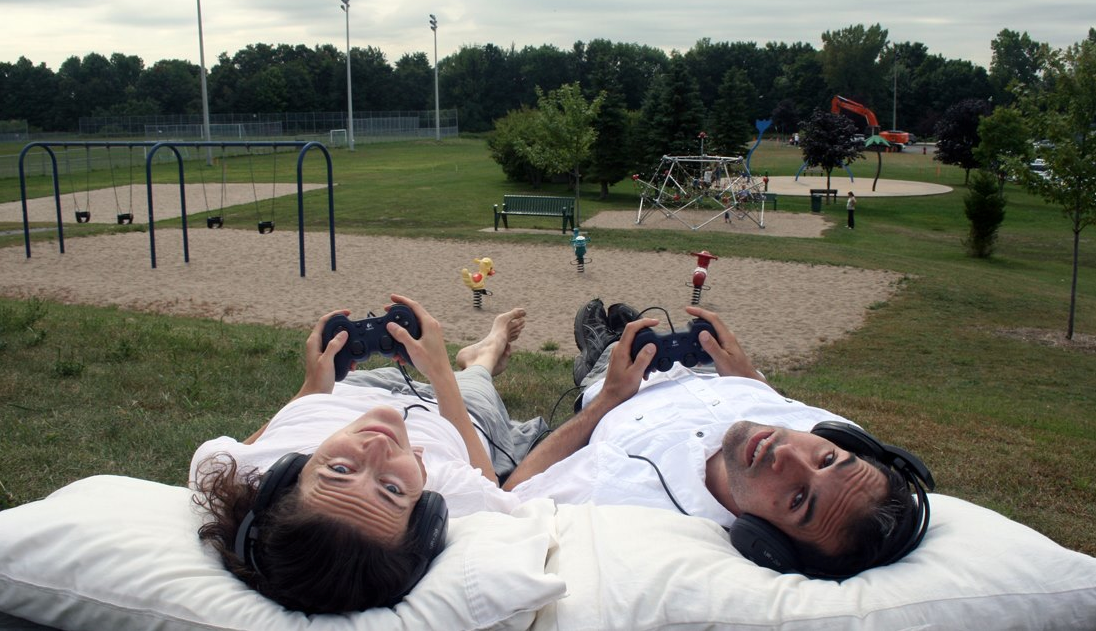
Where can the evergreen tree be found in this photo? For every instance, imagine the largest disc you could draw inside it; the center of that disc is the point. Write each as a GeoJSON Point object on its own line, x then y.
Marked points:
{"type": "Point", "coordinates": [672, 115]}
{"type": "Point", "coordinates": [731, 129]}
{"type": "Point", "coordinates": [610, 160]}
{"type": "Point", "coordinates": [985, 209]}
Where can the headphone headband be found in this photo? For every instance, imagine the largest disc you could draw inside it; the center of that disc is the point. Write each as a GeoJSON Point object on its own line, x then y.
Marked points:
{"type": "Point", "coordinates": [277, 480]}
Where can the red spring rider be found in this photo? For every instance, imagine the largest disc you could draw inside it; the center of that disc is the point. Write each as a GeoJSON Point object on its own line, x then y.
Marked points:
{"type": "Point", "coordinates": [700, 274]}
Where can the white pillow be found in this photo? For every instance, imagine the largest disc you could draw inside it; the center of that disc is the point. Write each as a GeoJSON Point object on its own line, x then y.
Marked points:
{"type": "Point", "coordinates": [120, 553]}
{"type": "Point", "coordinates": [640, 568]}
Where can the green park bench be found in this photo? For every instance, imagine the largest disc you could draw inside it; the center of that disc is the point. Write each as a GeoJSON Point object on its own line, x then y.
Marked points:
{"type": "Point", "coordinates": [536, 206]}
{"type": "Point", "coordinates": [829, 193]}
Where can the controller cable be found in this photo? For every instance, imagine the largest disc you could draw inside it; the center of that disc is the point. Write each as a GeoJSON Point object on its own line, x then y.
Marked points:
{"type": "Point", "coordinates": [494, 445]}
{"type": "Point", "coordinates": [661, 479]}
{"type": "Point", "coordinates": [666, 313]}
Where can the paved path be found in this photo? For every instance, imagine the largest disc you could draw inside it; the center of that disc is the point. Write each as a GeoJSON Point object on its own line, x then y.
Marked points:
{"type": "Point", "coordinates": [788, 185]}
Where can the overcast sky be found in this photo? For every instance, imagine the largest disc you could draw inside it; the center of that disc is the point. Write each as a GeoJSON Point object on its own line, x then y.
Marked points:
{"type": "Point", "coordinates": [53, 31]}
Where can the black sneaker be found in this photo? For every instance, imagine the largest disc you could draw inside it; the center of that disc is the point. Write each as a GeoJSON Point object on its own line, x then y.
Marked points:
{"type": "Point", "coordinates": [592, 336]}
{"type": "Point", "coordinates": [591, 311]}
{"type": "Point", "coordinates": [620, 315]}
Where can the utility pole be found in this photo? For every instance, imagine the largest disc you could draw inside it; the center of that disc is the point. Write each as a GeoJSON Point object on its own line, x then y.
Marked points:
{"type": "Point", "coordinates": [437, 103]}
{"type": "Point", "coordinates": [894, 107]}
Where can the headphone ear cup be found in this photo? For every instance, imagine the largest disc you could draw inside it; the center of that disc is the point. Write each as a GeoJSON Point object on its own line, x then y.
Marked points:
{"type": "Point", "coordinates": [431, 518]}
{"type": "Point", "coordinates": [765, 545]}
{"type": "Point", "coordinates": [431, 525]}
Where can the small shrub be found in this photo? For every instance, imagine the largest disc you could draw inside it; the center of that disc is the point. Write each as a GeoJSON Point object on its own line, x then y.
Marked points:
{"type": "Point", "coordinates": [68, 367]}
{"type": "Point", "coordinates": [985, 208]}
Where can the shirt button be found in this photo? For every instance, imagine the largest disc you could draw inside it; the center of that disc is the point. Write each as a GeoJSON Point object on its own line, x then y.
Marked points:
{"type": "Point", "coordinates": [700, 434]}
{"type": "Point", "coordinates": [715, 401]}
{"type": "Point", "coordinates": [639, 417]}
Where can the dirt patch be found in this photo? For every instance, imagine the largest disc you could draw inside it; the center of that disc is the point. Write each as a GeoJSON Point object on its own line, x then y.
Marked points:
{"type": "Point", "coordinates": [1055, 338]}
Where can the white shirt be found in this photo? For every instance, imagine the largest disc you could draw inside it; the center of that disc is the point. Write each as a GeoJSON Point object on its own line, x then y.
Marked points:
{"type": "Point", "coordinates": [306, 422]}
{"type": "Point", "coordinates": [677, 420]}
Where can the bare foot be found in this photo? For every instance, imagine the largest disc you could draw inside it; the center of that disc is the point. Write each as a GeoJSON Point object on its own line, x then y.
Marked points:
{"type": "Point", "coordinates": [493, 351]}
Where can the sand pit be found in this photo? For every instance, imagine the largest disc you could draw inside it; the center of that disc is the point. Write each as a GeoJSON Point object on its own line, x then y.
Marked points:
{"type": "Point", "coordinates": [782, 312]}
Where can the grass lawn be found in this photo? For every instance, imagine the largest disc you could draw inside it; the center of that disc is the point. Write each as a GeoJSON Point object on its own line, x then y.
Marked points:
{"type": "Point", "coordinates": [950, 368]}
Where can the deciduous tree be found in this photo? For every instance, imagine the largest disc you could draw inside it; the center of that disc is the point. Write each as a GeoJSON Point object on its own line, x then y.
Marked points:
{"type": "Point", "coordinates": [563, 133]}
{"type": "Point", "coordinates": [827, 142]}
{"type": "Point", "coordinates": [1066, 115]}
{"type": "Point", "coordinates": [957, 134]}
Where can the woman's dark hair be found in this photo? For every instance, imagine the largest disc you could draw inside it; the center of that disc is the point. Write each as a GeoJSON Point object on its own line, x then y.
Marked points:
{"type": "Point", "coordinates": [310, 562]}
{"type": "Point", "coordinates": [872, 539]}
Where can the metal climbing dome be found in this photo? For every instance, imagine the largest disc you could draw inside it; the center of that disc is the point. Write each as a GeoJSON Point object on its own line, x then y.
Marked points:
{"type": "Point", "coordinates": [690, 188]}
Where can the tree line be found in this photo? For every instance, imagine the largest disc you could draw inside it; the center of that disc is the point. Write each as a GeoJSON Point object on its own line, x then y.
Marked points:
{"type": "Point", "coordinates": [781, 81]}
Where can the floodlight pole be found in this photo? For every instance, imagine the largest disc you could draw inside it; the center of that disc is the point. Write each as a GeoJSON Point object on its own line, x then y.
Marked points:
{"type": "Point", "coordinates": [349, 88]}
{"type": "Point", "coordinates": [437, 103]}
{"type": "Point", "coordinates": [205, 93]}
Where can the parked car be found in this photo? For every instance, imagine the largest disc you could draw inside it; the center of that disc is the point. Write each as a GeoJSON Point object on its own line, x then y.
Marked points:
{"type": "Point", "coordinates": [1039, 165]}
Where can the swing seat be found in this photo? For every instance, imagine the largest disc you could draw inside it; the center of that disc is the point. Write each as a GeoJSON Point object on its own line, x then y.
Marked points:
{"type": "Point", "coordinates": [215, 222]}
{"type": "Point", "coordinates": [125, 218]}
{"type": "Point", "coordinates": [83, 216]}
{"type": "Point", "coordinates": [266, 227]}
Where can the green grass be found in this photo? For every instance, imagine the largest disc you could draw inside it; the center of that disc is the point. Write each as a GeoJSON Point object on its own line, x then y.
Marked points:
{"type": "Point", "coordinates": [1005, 423]}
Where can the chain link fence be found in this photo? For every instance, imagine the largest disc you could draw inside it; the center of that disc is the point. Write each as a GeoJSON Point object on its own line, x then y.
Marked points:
{"type": "Point", "coordinates": [329, 128]}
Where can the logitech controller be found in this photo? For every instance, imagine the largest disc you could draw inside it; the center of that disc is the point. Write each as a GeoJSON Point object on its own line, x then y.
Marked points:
{"type": "Point", "coordinates": [370, 336]}
{"type": "Point", "coordinates": [682, 346]}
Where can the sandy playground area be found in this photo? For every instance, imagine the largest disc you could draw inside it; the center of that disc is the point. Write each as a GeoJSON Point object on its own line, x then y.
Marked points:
{"type": "Point", "coordinates": [782, 312]}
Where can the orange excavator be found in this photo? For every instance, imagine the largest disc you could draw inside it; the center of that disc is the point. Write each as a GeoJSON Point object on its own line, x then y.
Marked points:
{"type": "Point", "coordinates": [898, 139]}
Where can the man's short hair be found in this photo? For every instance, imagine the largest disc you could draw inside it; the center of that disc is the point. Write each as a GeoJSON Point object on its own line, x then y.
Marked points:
{"type": "Point", "coordinates": [871, 539]}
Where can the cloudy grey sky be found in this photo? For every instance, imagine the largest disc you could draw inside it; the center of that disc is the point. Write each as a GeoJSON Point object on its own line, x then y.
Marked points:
{"type": "Point", "coordinates": [52, 31]}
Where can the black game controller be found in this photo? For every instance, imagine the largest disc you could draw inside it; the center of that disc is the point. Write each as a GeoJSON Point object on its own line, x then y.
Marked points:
{"type": "Point", "coordinates": [681, 347]}
{"type": "Point", "coordinates": [370, 336]}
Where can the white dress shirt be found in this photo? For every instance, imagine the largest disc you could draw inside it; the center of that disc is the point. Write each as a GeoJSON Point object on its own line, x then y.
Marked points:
{"type": "Point", "coordinates": [676, 421]}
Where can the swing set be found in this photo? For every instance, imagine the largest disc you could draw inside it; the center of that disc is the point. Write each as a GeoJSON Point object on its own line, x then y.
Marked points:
{"type": "Point", "coordinates": [265, 225]}
{"type": "Point", "coordinates": [83, 213]}
{"type": "Point", "coordinates": [264, 222]}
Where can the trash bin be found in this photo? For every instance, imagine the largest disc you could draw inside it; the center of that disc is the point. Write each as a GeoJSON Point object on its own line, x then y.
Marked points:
{"type": "Point", "coordinates": [816, 203]}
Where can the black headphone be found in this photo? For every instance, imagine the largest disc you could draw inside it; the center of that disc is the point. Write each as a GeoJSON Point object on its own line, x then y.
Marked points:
{"type": "Point", "coordinates": [767, 546]}
{"type": "Point", "coordinates": [429, 519]}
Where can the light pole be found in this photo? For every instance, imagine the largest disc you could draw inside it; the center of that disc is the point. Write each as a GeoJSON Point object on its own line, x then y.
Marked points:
{"type": "Point", "coordinates": [349, 88]}
{"type": "Point", "coordinates": [894, 107]}
{"type": "Point", "coordinates": [205, 93]}
{"type": "Point", "coordinates": [437, 104]}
